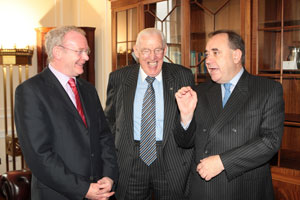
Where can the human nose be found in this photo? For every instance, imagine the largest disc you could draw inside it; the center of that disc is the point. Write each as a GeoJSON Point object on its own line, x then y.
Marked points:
{"type": "Point", "coordinates": [152, 54]}
{"type": "Point", "coordinates": [85, 56]}
{"type": "Point", "coordinates": [208, 59]}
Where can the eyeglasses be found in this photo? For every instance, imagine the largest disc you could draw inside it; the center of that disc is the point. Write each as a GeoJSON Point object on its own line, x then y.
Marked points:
{"type": "Point", "coordinates": [147, 52]}
{"type": "Point", "coordinates": [79, 52]}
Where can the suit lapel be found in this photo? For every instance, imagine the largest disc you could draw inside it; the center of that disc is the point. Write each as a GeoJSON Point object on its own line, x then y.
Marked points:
{"type": "Point", "coordinates": [128, 99]}
{"type": "Point", "coordinates": [84, 95]}
{"type": "Point", "coordinates": [169, 101]}
{"type": "Point", "coordinates": [214, 96]}
{"type": "Point", "coordinates": [58, 90]}
{"type": "Point", "coordinates": [237, 99]}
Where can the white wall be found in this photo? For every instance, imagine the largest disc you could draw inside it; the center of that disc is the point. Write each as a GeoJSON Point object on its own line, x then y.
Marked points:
{"type": "Point", "coordinates": [20, 17]}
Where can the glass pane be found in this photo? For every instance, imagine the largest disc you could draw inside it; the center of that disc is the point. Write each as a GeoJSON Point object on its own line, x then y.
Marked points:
{"type": "Point", "coordinates": [207, 16]}
{"type": "Point", "coordinates": [212, 6]}
{"type": "Point", "coordinates": [269, 44]}
{"type": "Point", "coordinates": [166, 16]}
{"type": "Point", "coordinates": [291, 50]}
{"type": "Point", "coordinates": [131, 57]}
{"type": "Point", "coordinates": [132, 24]}
{"type": "Point", "coordinates": [291, 12]}
{"type": "Point", "coordinates": [174, 54]}
{"type": "Point", "coordinates": [201, 24]}
{"type": "Point", "coordinates": [269, 13]}
{"type": "Point", "coordinates": [121, 55]}
{"type": "Point", "coordinates": [121, 26]}
{"type": "Point", "coordinates": [228, 14]}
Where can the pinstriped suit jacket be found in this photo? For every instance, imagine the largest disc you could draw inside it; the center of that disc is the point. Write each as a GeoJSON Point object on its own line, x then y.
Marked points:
{"type": "Point", "coordinates": [119, 112]}
{"type": "Point", "coordinates": [246, 134]}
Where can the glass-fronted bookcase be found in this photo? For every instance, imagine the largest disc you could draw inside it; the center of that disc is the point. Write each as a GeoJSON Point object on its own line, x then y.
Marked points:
{"type": "Point", "coordinates": [276, 55]}
{"type": "Point", "coordinates": [185, 24]}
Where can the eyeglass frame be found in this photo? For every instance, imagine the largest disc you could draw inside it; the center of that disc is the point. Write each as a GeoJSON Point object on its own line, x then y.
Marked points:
{"type": "Point", "coordinates": [154, 51]}
{"type": "Point", "coordinates": [79, 52]}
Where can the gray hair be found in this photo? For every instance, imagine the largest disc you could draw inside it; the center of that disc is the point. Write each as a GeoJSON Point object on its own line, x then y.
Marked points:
{"type": "Point", "coordinates": [150, 31]}
{"type": "Point", "coordinates": [56, 36]}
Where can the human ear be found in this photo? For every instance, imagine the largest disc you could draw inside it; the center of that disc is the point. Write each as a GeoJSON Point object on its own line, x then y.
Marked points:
{"type": "Point", "coordinates": [135, 50]}
{"type": "Point", "coordinates": [237, 56]}
{"type": "Point", "coordinates": [57, 52]}
{"type": "Point", "coordinates": [165, 50]}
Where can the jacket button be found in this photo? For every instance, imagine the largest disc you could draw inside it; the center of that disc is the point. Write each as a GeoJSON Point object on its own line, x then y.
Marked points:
{"type": "Point", "coordinates": [206, 151]}
{"type": "Point", "coordinates": [91, 178]}
{"type": "Point", "coordinates": [234, 130]}
{"type": "Point", "coordinates": [92, 155]}
{"type": "Point", "coordinates": [204, 130]}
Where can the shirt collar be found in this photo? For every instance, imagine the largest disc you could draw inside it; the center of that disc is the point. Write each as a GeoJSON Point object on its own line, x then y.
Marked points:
{"type": "Point", "coordinates": [63, 79]}
{"type": "Point", "coordinates": [237, 77]}
{"type": "Point", "coordinates": [144, 75]}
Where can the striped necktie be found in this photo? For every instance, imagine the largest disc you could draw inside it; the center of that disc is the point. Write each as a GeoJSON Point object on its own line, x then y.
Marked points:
{"type": "Point", "coordinates": [148, 125]}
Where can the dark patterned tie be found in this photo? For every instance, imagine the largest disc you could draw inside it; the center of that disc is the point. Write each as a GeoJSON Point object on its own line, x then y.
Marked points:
{"type": "Point", "coordinates": [148, 125]}
{"type": "Point", "coordinates": [227, 93]}
{"type": "Point", "coordinates": [77, 98]}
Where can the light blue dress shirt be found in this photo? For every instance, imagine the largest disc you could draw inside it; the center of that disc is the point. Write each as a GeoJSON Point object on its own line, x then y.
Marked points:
{"type": "Point", "coordinates": [138, 104]}
{"type": "Point", "coordinates": [233, 82]}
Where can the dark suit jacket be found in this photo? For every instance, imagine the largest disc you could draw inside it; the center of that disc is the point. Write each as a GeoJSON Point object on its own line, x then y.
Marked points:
{"type": "Point", "coordinates": [119, 111]}
{"type": "Point", "coordinates": [246, 134]}
{"type": "Point", "coordinates": [63, 155]}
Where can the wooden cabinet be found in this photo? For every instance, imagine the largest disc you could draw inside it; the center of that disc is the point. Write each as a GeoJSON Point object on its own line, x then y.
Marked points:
{"type": "Point", "coordinates": [89, 66]}
{"type": "Point", "coordinates": [271, 31]}
{"type": "Point", "coordinates": [275, 54]}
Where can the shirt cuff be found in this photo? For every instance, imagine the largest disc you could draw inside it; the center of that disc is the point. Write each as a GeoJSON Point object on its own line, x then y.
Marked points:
{"type": "Point", "coordinates": [185, 127]}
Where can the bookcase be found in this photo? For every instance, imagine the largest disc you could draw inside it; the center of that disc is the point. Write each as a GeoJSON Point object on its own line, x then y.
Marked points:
{"type": "Point", "coordinates": [271, 31]}
{"type": "Point", "coordinates": [185, 23]}
{"type": "Point", "coordinates": [275, 55]}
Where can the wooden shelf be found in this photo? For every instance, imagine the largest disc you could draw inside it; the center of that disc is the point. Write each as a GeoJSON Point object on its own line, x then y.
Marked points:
{"type": "Point", "coordinates": [286, 183]}
{"type": "Point", "coordinates": [291, 117]}
{"type": "Point", "coordinates": [289, 159]}
{"type": "Point", "coordinates": [290, 176]}
{"type": "Point", "coordinates": [274, 71]}
{"type": "Point", "coordinates": [275, 24]}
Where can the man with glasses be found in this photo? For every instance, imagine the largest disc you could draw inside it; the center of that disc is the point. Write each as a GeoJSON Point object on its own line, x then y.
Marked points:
{"type": "Point", "coordinates": [63, 133]}
{"type": "Point", "coordinates": [141, 111]}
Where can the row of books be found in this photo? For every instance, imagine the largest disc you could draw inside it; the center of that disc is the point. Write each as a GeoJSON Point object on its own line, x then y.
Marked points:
{"type": "Point", "coordinates": [175, 56]}
{"type": "Point", "coordinates": [196, 58]}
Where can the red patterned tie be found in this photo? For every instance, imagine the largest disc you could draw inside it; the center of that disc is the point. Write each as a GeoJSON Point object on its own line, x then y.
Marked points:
{"type": "Point", "coordinates": [77, 98]}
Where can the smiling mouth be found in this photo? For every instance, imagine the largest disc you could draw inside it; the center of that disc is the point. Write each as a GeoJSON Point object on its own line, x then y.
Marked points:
{"type": "Point", "coordinates": [153, 64]}
{"type": "Point", "coordinates": [80, 64]}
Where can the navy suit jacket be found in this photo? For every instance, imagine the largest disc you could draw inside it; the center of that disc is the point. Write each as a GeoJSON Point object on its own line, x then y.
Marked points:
{"type": "Point", "coordinates": [63, 154]}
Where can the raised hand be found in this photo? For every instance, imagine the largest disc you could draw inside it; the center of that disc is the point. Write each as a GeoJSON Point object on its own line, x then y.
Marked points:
{"type": "Point", "coordinates": [186, 100]}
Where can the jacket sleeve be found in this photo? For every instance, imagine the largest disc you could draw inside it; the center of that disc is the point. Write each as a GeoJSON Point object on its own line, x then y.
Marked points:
{"type": "Point", "coordinates": [110, 111]}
